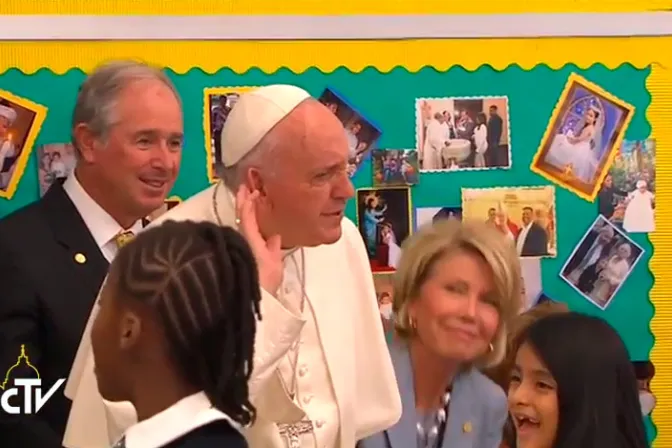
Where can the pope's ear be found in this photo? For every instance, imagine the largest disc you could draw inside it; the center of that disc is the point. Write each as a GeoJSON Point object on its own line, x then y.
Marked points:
{"type": "Point", "coordinates": [85, 142]}
{"type": "Point", "coordinates": [255, 181]}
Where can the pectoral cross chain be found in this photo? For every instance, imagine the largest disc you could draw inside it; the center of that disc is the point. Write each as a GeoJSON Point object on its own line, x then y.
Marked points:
{"type": "Point", "coordinates": [292, 432]}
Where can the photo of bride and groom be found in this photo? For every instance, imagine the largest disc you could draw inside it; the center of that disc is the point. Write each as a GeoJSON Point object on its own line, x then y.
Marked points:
{"type": "Point", "coordinates": [583, 135]}
{"type": "Point", "coordinates": [601, 262]}
{"type": "Point", "coordinates": [384, 221]}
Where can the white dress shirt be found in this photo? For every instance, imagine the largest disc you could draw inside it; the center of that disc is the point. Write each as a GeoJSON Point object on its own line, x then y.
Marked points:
{"type": "Point", "coordinates": [102, 226]}
{"type": "Point", "coordinates": [190, 413]}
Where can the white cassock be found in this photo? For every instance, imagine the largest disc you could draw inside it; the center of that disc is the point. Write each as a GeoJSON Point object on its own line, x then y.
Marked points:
{"type": "Point", "coordinates": [333, 354]}
{"type": "Point", "coordinates": [434, 142]}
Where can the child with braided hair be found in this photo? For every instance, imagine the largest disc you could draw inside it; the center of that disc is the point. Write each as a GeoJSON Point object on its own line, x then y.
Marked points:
{"type": "Point", "coordinates": [175, 335]}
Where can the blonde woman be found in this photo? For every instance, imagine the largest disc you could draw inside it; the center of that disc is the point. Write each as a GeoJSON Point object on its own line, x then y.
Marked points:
{"type": "Point", "coordinates": [457, 287]}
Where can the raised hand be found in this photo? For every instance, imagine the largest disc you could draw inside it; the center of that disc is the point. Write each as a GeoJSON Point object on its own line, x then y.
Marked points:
{"type": "Point", "coordinates": [267, 251]}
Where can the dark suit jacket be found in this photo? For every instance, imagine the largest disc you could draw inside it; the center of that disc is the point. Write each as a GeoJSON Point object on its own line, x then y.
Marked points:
{"type": "Point", "coordinates": [214, 435]}
{"type": "Point", "coordinates": [476, 412]}
{"type": "Point", "coordinates": [536, 242]}
{"type": "Point", "coordinates": [45, 300]}
{"type": "Point", "coordinates": [582, 251]}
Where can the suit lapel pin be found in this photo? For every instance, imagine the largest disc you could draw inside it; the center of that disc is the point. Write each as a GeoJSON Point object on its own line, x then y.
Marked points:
{"type": "Point", "coordinates": [80, 258]}
{"type": "Point", "coordinates": [466, 428]}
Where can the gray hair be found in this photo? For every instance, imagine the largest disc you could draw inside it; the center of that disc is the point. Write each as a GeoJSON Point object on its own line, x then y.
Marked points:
{"type": "Point", "coordinates": [98, 95]}
{"type": "Point", "coordinates": [232, 176]}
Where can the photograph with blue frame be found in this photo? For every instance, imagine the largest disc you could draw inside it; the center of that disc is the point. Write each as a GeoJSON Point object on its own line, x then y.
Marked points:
{"type": "Point", "coordinates": [582, 137]}
{"type": "Point", "coordinates": [362, 133]}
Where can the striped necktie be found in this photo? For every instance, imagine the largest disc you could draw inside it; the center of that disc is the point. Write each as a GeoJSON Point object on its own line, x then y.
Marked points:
{"type": "Point", "coordinates": [123, 238]}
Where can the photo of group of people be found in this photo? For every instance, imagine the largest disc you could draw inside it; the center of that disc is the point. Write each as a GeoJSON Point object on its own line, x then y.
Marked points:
{"type": "Point", "coordinates": [463, 133]}
{"type": "Point", "coordinates": [582, 137]}
{"type": "Point", "coordinates": [362, 134]}
{"type": "Point", "coordinates": [525, 215]}
{"type": "Point", "coordinates": [218, 102]}
{"type": "Point", "coordinates": [395, 167]}
{"type": "Point", "coordinates": [55, 163]}
{"type": "Point", "coordinates": [384, 221]}
{"type": "Point", "coordinates": [627, 196]}
{"type": "Point", "coordinates": [601, 262]}
{"type": "Point", "coordinates": [20, 122]}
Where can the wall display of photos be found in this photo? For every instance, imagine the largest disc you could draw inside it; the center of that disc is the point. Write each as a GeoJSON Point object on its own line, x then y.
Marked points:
{"type": "Point", "coordinates": [561, 158]}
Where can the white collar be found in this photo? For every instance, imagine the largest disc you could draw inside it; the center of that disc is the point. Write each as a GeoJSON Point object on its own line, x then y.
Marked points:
{"type": "Point", "coordinates": [102, 226]}
{"type": "Point", "coordinates": [189, 413]}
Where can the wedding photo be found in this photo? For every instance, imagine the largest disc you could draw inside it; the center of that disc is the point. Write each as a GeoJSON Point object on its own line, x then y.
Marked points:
{"type": "Point", "coordinates": [428, 215]}
{"type": "Point", "coordinates": [601, 262]}
{"type": "Point", "coordinates": [384, 293]}
{"type": "Point", "coordinates": [394, 167]}
{"type": "Point", "coordinates": [384, 221]}
{"type": "Point", "coordinates": [361, 132]}
{"type": "Point", "coordinates": [55, 162]}
{"type": "Point", "coordinates": [582, 137]}
{"type": "Point", "coordinates": [218, 102]}
{"type": "Point", "coordinates": [168, 204]}
{"type": "Point", "coordinates": [463, 133]}
{"type": "Point", "coordinates": [627, 196]}
{"type": "Point", "coordinates": [20, 122]}
{"type": "Point", "coordinates": [525, 215]}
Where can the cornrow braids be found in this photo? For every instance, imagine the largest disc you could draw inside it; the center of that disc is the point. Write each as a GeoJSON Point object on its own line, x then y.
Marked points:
{"type": "Point", "coordinates": [203, 282]}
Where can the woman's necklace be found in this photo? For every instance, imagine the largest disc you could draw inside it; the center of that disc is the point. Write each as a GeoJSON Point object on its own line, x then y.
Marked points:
{"type": "Point", "coordinates": [431, 437]}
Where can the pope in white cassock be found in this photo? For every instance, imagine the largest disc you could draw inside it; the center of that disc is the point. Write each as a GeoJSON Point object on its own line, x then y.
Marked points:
{"type": "Point", "coordinates": [322, 373]}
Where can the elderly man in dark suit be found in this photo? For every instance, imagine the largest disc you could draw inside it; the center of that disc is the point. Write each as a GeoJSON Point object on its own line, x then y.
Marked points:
{"type": "Point", "coordinates": [532, 240]}
{"type": "Point", "coordinates": [54, 253]}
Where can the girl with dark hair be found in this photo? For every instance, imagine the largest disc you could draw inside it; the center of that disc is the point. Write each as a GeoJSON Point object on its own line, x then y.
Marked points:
{"type": "Point", "coordinates": [175, 335]}
{"type": "Point", "coordinates": [573, 386]}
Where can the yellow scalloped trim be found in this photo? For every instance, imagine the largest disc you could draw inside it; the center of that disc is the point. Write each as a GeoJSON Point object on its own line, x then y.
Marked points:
{"type": "Point", "coordinates": [659, 114]}
{"type": "Point", "coordinates": [40, 114]}
{"type": "Point", "coordinates": [207, 92]}
{"type": "Point", "coordinates": [298, 56]}
{"type": "Point", "coordinates": [576, 80]}
{"type": "Point", "coordinates": [320, 7]}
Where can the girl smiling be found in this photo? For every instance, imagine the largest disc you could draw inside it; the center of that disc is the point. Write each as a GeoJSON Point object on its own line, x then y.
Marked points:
{"type": "Point", "coordinates": [573, 386]}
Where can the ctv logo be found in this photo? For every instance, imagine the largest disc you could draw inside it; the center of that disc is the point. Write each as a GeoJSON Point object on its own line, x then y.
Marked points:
{"type": "Point", "coordinates": [30, 386]}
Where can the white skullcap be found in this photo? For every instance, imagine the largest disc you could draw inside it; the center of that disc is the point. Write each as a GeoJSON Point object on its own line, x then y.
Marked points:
{"type": "Point", "coordinates": [641, 183]}
{"type": "Point", "coordinates": [8, 113]}
{"type": "Point", "coordinates": [254, 115]}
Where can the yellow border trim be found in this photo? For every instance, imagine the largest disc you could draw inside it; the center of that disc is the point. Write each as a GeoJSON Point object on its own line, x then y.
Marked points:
{"type": "Point", "coordinates": [659, 115]}
{"type": "Point", "coordinates": [327, 56]}
{"type": "Point", "coordinates": [40, 114]}
{"type": "Point", "coordinates": [317, 7]}
{"type": "Point", "coordinates": [207, 92]}
{"type": "Point", "coordinates": [574, 81]}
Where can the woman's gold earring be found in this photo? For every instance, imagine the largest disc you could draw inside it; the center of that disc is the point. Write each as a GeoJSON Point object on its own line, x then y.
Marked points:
{"type": "Point", "coordinates": [412, 322]}
{"type": "Point", "coordinates": [491, 348]}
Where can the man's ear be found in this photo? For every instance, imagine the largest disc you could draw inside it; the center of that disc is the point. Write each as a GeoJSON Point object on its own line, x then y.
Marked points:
{"type": "Point", "coordinates": [130, 329]}
{"type": "Point", "coordinates": [85, 142]}
{"type": "Point", "coordinates": [255, 181]}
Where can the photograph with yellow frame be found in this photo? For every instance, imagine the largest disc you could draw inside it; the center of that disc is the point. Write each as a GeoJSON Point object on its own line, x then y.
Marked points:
{"type": "Point", "coordinates": [582, 138]}
{"type": "Point", "coordinates": [525, 215]}
{"type": "Point", "coordinates": [384, 221]}
{"type": "Point", "coordinates": [20, 122]}
{"type": "Point", "coordinates": [217, 103]}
